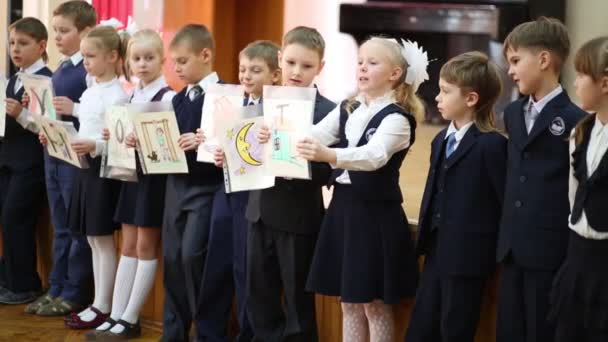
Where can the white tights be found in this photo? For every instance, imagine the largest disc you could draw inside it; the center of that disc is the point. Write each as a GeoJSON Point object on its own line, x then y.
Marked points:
{"type": "Point", "coordinates": [357, 318]}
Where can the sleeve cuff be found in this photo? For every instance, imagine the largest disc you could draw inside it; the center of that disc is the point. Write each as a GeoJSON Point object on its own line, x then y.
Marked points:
{"type": "Point", "coordinates": [75, 109]}
{"type": "Point", "coordinates": [23, 118]}
{"type": "Point", "coordinates": [99, 145]}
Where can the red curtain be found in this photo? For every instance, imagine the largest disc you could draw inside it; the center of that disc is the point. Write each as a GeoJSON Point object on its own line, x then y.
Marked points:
{"type": "Point", "coordinates": [119, 9]}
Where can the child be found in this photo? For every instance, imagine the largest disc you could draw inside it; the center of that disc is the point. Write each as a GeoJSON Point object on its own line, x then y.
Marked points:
{"type": "Point", "coordinates": [533, 231]}
{"type": "Point", "coordinates": [188, 197]}
{"type": "Point", "coordinates": [258, 66]}
{"type": "Point", "coordinates": [461, 206]}
{"type": "Point", "coordinates": [72, 273]}
{"type": "Point", "coordinates": [21, 169]}
{"type": "Point", "coordinates": [580, 291]}
{"type": "Point", "coordinates": [94, 199]}
{"type": "Point", "coordinates": [286, 218]}
{"type": "Point", "coordinates": [140, 204]}
{"type": "Point", "coordinates": [365, 253]}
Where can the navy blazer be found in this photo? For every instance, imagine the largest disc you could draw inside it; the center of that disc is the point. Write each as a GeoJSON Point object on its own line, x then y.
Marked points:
{"type": "Point", "coordinates": [472, 202]}
{"type": "Point", "coordinates": [534, 226]}
{"type": "Point", "coordinates": [294, 205]}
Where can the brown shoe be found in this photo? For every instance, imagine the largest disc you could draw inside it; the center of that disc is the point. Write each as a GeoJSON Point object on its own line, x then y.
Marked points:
{"type": "Point", "coordinates": [58, 307]}
{"type": "Point", "coordinates": [45, 299]}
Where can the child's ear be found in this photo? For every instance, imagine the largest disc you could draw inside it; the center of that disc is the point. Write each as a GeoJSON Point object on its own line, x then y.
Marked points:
{"type": "Point", "coordinates": [85, 31]}
{"type": "Point", "coordinates": [471, 99]}
{"type": "Point", "coordinates": [207, 55]}
{"type": "Point", "coordinates": [321, 65]}
{"type": "Point", "coordinates": [276, 77]}
{"type": "Point", "coordinates": [42, 46]}
{"type": "Point", "coordinates": [545, 59]}
{"type": "Point", "coordinates": [396, 74]}
{"type": "Point", "coordinates": [604, 85]}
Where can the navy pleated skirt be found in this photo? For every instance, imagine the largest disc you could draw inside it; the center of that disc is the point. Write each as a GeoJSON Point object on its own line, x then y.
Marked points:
{"type": "Point", "coordinates": [364, 252]}
{"type": "Point", "coordinates": [142, 203]}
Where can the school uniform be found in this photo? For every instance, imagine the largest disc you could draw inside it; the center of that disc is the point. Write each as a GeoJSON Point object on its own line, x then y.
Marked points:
{"type": "Point", "coordinates": [229, 227]}
{"type": "Point", "coordinates": [94, 198]}
{"type": "Point", "coordinates": [285, 221]}
{"type": "Point", "coordinates": [365, 251]}
{"type": "Point", "coordinates": [458, 229]}
{"type": "Point", "coordinates": [186, 224]}
{"type": "Point", "coordinates": [22, 184]}
{"type": "Point", "coordinates": [142, 203]}
{"type": "Point", "coordinates": [533, 233]}
{"type": "Point", "coordinates": [72, 271]}
{"type": "Point", "coordinates": [579, 300]}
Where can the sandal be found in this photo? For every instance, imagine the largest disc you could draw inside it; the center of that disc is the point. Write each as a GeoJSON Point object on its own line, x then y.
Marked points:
{"type": "Point", "coordinates": [32, 308]}
{"type": "Point", "coordinates": [58, 307]}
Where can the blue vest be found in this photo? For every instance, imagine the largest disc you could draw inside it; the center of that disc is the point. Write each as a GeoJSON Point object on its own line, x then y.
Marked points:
{"type": "Point", "coordinates": [381, 184]}
{"type": "Point", "coordinates": [70, 81]}
{"type": "Point", "coordinates": [20, 149]}
{"type": "Point", "coordinates": [188, 115]}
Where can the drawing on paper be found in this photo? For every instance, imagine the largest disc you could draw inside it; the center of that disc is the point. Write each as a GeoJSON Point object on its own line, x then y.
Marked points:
{"type": "Point", "coordinates": [40, 91]}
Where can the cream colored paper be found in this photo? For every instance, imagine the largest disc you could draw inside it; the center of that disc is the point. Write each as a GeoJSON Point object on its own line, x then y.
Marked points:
{"type": "Point", "coordinates": [120, 125]}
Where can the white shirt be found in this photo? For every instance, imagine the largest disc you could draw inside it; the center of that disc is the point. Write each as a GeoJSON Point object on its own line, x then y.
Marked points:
{"type": "Point", "coordinates": [393, 135]}
{"type": "Point", "coordinates": [598, 145]}
{"type": "Point", "coordinates": [458, 133]}
{"type": "Point", "coordinates": [253, 101]}
{"type": "Point", "coordinates": [205, 82]}
{"type": "Point", "coordinates": [92, 110]}
{"type": "Point", "coordinates": [25, 118]}
{"type": "Point", "coordinates": [145, 94]}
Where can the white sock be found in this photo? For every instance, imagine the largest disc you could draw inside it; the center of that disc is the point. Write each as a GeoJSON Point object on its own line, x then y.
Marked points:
{"type": "Point", "coordinates": [106, 250]}
{"type": "Point", "coordinates": [95, 261]}
{"type": "Point", "coordinates": [125, 274]}
{"type": "Point", "coordinates": [144, 279]}
{"type": "Point", "coordinates": [117, 328]}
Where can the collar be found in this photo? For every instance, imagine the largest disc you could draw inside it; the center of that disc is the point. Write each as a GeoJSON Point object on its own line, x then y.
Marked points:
{"type": "Point", "coordinates": [151, 89]}
{"type": "Point", "coordinates": [76, 58]}
{"type": "Point", "coordinates": [382, 101]}
{"type": "Point", "coordinates": [598, 127]}
{"type": "Point", "coordinates": [540, 104]}
{"type": "Point", "coordinates": [458, 133]}
{"type": "Point", "coordinates": [32, 69]}
{"type": "Point", "coordinates": [208, 80]}
{"type": "Point", "coordinates": [251, 99]}
{"type": "Point", "coordinates": [106, 84]}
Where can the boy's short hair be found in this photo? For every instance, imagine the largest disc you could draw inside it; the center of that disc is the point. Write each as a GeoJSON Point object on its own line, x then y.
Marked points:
{"type": "Point", "coordinates": [80, 12]}
{"type": "Point", "coordinates": [265, 50]}
{"type": "Point", "coordinates": [196, 36]}
{"type": "Point", "coordinates": [307, 37]}
{"type": "Point", "coordinates": [544, 34]}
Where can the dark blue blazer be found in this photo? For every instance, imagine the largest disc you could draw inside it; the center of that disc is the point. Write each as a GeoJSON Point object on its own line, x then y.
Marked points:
{"type": "Point", "coordinates": [20, 149]}
{"type": "Point", "coordinates": [294, 205]}
{"type": "Point", "coordinates": [534, 226]}
{"type": "Point", "coordinates": [472, 201]}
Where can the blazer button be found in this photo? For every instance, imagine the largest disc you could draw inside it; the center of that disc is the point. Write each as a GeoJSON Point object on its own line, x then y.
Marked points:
{"type": "Point", "coordinates": [526, 155]}
{"type": "Point", "coordinates": [438, 216]}
{"type": "Point", "coordinates": [518, 204]}
{"type": "Point", "coordinates": [522, 179]}
{"type": "Point", "coordinates": [445, 167]}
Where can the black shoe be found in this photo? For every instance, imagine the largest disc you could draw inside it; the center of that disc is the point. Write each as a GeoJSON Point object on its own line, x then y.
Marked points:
{"type": "Point", "coordinates": [95, 335]}
{"type": "Point", "coordinates": [130, 331]}
{"type": "Point", "coordinates": [10, 297]}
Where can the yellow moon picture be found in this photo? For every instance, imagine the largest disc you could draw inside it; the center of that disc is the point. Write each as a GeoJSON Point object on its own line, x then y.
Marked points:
{"type": "Point", "coordinates": [242, 146]}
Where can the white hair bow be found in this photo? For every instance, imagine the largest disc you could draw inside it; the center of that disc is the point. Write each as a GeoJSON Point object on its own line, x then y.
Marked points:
{"type": "Point", "coordinates": [131, 27]}
{"type": "Point", "coordinates": [112, 22]}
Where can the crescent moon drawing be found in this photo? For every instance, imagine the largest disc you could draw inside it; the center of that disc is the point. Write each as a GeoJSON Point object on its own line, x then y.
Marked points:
{"type": "Point", "coordinates": [242, 146]}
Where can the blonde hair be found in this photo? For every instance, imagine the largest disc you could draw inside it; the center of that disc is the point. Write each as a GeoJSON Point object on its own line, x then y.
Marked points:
{"type": "Point", "coordinates": [405, 96]}
{"type": "Point", "coordinates": [33, 28]}
{"type": "Point", "coordinates": [592, 60]}
{"type": "Point", "coordinates": [265, 50]}
{"type": "Point", "coordinates": [147, 36]}
{"type": "Point", "coordinates": [308, 37]}
{"type": "Point", "coordinates": [543, 33]}
{"type": "Point", "coordinates": [473, 71]}
{"type": "Point", "coordinates": [107, 39]}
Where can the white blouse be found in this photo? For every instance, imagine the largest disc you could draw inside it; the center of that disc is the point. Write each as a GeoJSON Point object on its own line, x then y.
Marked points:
{"type": "Point", "coordinates": [92, 110]}
{"type": "Point", "coordinates": [145, 94]}
{"type": "Point", "coordinates": [392, 135]}
{"type": "Point", "coordinates": [598, 145]}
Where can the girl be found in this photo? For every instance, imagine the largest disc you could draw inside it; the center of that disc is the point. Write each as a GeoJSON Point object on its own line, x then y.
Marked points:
{"type": "Point", "coordinates": [21, 169]}
{"type": "Point", "coordinates": [580, 290]}
{"type": "Point", "coordinates": [365, 253]}
{"type": "Point", "coordinates": [93, 198]}
{"type": "Point", "coordinates": [140, 205]}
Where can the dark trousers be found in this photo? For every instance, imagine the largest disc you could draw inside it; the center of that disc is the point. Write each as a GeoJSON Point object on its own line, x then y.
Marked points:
{"type": "Point", "coordinates": [185, 239]}
{"type": "Point", "coordinates": [229, 217]}
{"type": "Point", "coordinates": [72, 273]}
{"type": "Point", "coordinates": [20, 199]}
{"type": "Point", "coordinates": [279, 262]}
{"type": "Point", "coordinates": [447, 307]}
{"type": "Point", "coordinates": [523, 304]}
{"type": "Point", "coordinates": [568, 331]}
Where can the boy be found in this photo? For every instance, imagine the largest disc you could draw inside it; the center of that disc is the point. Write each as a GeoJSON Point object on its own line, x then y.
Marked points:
{"type": "Point", "coordinates": [258, 66]}
{"type": "Point", "coordinates": [189, 196]}
{"type": "Point", "coordinates": [461, 206]}
{"type": "Point", "coordinates": [286, 219]}
{"type": "Point", "coordinates": [534, 227]}
{"type": "Point", "coordinates": [72, 272]}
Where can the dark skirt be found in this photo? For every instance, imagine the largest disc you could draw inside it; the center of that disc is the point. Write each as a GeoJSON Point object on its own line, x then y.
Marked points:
{"type": "Point", "coordinates": [364, 251]}
{"type": "Point", "coordinates": [580, 288]}
{"type": "Point", "coordinates": [93, 202]}
{"type": "Point", "coordinates": [142, 203]}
